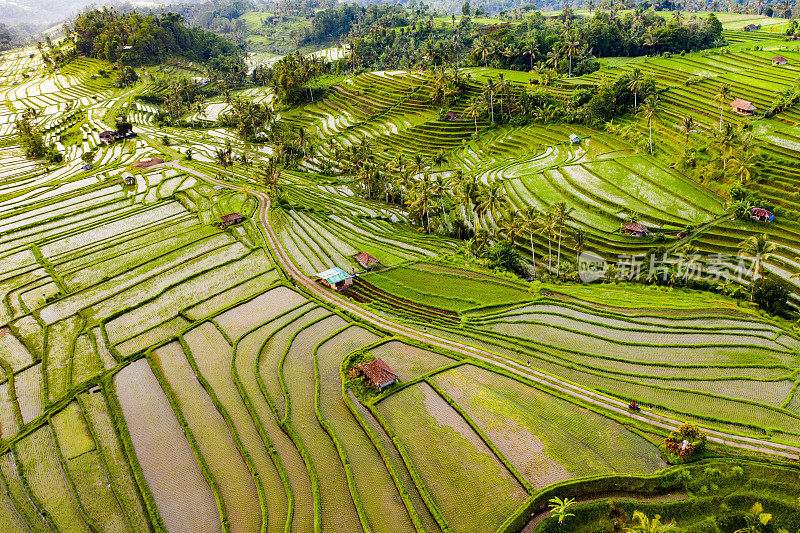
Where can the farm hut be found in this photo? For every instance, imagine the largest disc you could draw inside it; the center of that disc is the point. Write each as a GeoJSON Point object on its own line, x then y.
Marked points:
{"type": "Point", "coordinates": [366, 260]}
{"type": "Point", "coordinates": [128, 178]}
{"type": "Point", "coordinates": [761, 215]}
{"type": "Point", "coordinates": [108, 137]}
{"type": "Point", "coordinates": [778, 60]}
{"type": "Point", "coordinates": [275, 21]}
{"type": "Point", "coordinates": [87, 167]}
{"type": "Point", "coordinates": [574, 139]}
{"type": "Point", "coordinates": [335, 278]}
{"type": "Point", "coordinates": [743, 107]}
{"type": "Point", "coordinates": [451, 115]}
{"type": "Point", "coordinates": [231, 219]}
{"type": "Point", "coordinates": [378, 373]}
{"type": "Point", "coordinates": [634, 229]}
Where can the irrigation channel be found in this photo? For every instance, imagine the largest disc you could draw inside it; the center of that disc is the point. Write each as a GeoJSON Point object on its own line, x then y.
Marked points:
{"type": "Point", "coordinates": [564, 387]}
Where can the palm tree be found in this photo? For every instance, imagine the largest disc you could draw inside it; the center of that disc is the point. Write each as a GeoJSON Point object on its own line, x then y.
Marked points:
{"type": "Point", "coordinates": [222, 158]}
{"type": "Point", "coordinates": [760, 249]}
{"type": "Point", "coordinates": [531, 49]}
{"type": "Point", "coordinates": [480, 241]}
{"type": "Point", "coordinates": [483, 49]}
{"type": "Point", "coordinates": [474, 109]}
{"type": "Point", "coordinates": [561, 214]}
{"type": "Point", "coordinates": [422, 194]}
{"type": "Point", "coordinates": [488, 92]}
{"type": "Point", "coordinates": [687, 126]}
{"type": "Point", "coordinates": [722, 96]}
{"type": "Point", "coordinates": [548, 226]}
{"type": "Point", "coordinates": [530, 218]}
{"type": "Point", "coordinates": [650, 109]}
{"type": "Point", "coordinates": [649, 525]}
{"type": "Point", "coordinates": [726, 138]}
{"type": "Point", "coordinates": [572, 47]}
{"type": "Point", "coordinates": [744, 164]}
{"type": "Point", "coordinates": [511, 226]}
{"type": "Point", "coordinates": [635, 85]}
{"type": "Point", "coordinates": [492, 199]}
{"type": "Point", "coordinates": [579, 238]}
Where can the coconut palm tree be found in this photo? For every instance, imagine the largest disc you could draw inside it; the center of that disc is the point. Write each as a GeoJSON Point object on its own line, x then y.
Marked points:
{"type": "Point", "coordinates": [636, 80]}
{"type": "Point", "coordinates": [492, 199]}
{"type": "Point", "coordinates": [760, 249]}
{"type": "Point", "coordinates": [511, 226]}
{"type": "Point", "coordinates": [579, 238]}
{"type": "Point", "coordinates": [726, 138]}
{"type": "Point", "coordinates": [548, 223]}
{"type": "Point", "coordinates": [489, 89]}
{"type": "Point", "coordinates": [687, 126]}
{"type": "Point", "coordinates": [744, 164]}
{"type": "Point", "coordinates": [561, 214]}
{"type": "Point", "coordinates": [474, 110]}
{"type": "Point", "coordinates": [722, 96]}
{"type": "Point", "coordinates": [650, 109]}
{"type": "Point", "coordinates": [571, 47]}
{"type": "Point", "coordinates": [530, 217]}
{"type": "Point", "coordinates": [480, 241]}
{"type": "Point", "coordinates": [422, 193]}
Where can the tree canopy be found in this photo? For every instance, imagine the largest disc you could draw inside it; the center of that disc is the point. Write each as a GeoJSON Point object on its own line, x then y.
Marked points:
{"type": "Point", "coordinates": [132, 38]}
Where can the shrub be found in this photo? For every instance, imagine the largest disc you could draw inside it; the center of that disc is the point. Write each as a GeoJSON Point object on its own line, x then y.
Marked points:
{"type": "Point", "coordinates": [770, 295]}
{"type": "Point", "coordinates": [503, 255]}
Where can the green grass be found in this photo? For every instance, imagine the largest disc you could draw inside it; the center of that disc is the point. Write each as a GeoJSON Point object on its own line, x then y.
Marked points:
{"type": "Point", "coordinates": [454, 289]}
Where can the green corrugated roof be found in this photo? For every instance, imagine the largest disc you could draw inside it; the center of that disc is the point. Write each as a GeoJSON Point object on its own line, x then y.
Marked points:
{"type": "Point", "coordinates": [334, 275]}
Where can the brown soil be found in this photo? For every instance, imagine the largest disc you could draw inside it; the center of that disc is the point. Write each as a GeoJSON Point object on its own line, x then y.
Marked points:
{"type": "Point", "coordinates": [148, 162]}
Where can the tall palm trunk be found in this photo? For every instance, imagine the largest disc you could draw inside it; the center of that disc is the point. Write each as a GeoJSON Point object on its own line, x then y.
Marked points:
{"type": "Point", "coordinates": [651, 135]}
{"type": "Point", "coordinates": [491, 104]}
{"type": "Point", "coordinates": [721, 106]}
{"type": "Point", "coordinates": [549, 255]}
{"type": "Point", "coordinates": [558, 260]}
{"type": "Point", "coordinates": [475, 119]}
{"type": "Point", "coordinates": [533, 256]}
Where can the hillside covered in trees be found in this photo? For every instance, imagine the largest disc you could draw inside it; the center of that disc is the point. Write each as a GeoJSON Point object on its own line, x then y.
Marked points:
{"type": "Point", "coordinates": [132, 38]}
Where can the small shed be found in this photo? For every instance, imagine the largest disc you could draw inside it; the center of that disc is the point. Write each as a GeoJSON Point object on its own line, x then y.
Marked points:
{"type": "Point", "coordinates": [378, 373]}
{"type": "Point", "coordinates": [761, 215]}
{"type": "Point", "coordinates": [574, 139]}
{"type": "Point", "coordinates": [128, 178]}
{"type": "Point", "coordinates": [778, 60]}
{"type": "Point", "coordinates": [335, 278]}
{"type": "Point", "coordinates": [366, 260]}
{"type": "Point", "coordinates": [634, 229]}
{"type": "Point", "coordinates": [451, 115]}
{"type": "Point", "coordinates": [108, 137]}
{"type": "Point", "coordinates": [87, 167]}
{"type": "Point", "coordinates": [231, 219]}
{"type": "Point", "coordinates": [743, 107]}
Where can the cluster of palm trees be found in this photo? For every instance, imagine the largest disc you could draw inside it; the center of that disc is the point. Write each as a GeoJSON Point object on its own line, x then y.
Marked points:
{"type": "Point", "coordinates": [291, 74]}
{"type": "Point", "coordinates": [250, 118]}
{"type": "Point", "coordinates": [570, 48]}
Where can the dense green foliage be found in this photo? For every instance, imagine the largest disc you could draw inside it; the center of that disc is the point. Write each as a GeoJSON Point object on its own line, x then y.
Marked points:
{"type": "Point", "coordinates": [339, 21]}
{"type": "Point", "coordinates": [132, 38]}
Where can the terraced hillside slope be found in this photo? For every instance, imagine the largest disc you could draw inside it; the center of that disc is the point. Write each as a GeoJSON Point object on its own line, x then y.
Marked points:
{"type": "Point", "coordinates": [164, 371]}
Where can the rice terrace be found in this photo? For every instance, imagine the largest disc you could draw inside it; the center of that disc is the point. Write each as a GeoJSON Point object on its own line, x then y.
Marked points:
{"type": "Point", "coordinates": [305, 266]}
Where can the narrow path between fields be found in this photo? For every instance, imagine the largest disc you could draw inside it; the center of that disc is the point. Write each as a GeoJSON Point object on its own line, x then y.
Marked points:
{"type": "Point", "coordinates": [589, 396]}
